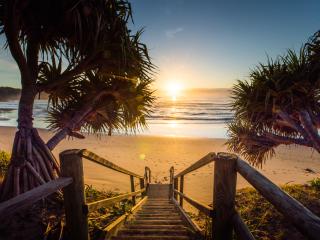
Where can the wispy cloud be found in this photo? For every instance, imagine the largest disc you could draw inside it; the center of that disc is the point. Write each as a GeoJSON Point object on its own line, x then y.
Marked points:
{"type": "Point", "coordinates": [171, 33]}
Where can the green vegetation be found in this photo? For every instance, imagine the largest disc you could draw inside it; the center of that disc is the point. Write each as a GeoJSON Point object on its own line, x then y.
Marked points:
{"type": "Point", "coordinates": [262, 219]}
{"type": "Point", "coordinates": [278, 104]}
{"type": "Point", "coordinates": [265, 222]}
{"type": "Point", "coordinates": [4, 163]}
{"type": "Point", "coordinates": [100, 219]}
{"type": "Point", "coordinates": [315, 183]}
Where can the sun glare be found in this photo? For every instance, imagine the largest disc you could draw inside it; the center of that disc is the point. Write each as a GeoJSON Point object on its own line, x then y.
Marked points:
{"type": "Point", "coordinates": [174, 89]}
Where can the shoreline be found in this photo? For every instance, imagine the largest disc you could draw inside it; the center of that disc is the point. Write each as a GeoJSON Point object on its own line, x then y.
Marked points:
{"type": "Point", "coordinates": [134, 152]}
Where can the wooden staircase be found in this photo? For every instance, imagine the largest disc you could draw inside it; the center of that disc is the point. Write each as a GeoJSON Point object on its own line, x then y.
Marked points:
{"type": "Point", "coordinates": [158, 218]}
{"type": "Point", "coordinates": [158, 215]}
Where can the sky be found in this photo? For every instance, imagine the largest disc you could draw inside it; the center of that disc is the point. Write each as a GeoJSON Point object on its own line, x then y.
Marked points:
{"type": "Point", "coordinates": [210, 44]}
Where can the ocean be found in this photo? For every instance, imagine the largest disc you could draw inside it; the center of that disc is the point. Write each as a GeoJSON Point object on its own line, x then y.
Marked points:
{"type": "Point", "coordinates": [193, 113]}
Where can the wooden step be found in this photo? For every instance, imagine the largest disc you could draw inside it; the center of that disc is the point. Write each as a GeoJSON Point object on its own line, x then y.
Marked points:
{"type": "Point", "coordinates": [148, 214]}
{"type": "Point", "coordinates": [163, 237]}
{"type": "Point", "coordinates": [159, 206]}
{"type": "Point", "coordinates": [157, 218]}
{"type": "Point", "coordinates": [146, 226]}
{"type": "Point", "coordinates": [157, 222]}
{"type": "Point", "coordinates": [153, 232]}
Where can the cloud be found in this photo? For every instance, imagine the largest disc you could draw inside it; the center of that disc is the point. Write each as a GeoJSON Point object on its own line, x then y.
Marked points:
{"type": "Point", "coordinates": [173, 32]}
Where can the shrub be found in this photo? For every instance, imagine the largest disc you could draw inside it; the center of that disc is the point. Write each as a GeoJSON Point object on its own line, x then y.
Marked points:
{"type": "Point", "coordinates": [4, 162]}
{"type": "Point", "coordinates": [315, 183]}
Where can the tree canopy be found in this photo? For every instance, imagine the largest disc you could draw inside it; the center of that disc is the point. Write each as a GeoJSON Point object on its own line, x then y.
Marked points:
{"type": "Point", "coordinates": [96, 72]}
{"type": "Point", "coordinates": [278, 104]}
{"type": "Point", "coordinates": [85, 48]}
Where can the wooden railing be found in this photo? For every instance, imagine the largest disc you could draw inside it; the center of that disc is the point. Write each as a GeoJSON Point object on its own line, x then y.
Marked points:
{"type": "Point", "coordinates": [225, 218]}
{"type": "Point", "coordinates": [72, 184]}
{"type": "Point", "coordinates": [74, 200]}
{"type": "Point", "coordinates": [28, 198]}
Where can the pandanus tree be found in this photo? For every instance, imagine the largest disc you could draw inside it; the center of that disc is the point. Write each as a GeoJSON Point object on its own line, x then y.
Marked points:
{"type": "Point", "coordinates": [279, 104]}
{"type": "Point", "coordinates": [96, 73]}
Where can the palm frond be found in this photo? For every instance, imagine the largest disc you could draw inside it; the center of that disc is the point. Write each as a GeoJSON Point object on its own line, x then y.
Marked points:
{"type": "Point", "coordinates": [287, 84]}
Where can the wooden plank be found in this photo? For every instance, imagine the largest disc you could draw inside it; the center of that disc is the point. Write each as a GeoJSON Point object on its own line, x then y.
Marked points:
{"type": "Point", "coordinates": [175, 188]}
{"type": "Point", "coordinates": [301, 217]}
{"type": "Point", "coordinates": [202, 162]}
{"type": "Point", "coordinates": [181, 189]}
{"type": "Point", "coordinates": [198, 205]}
{"type": "Point", "coordinates": [225, 178]}
{"type": "Point", "coordinates": [115, 225]}
{"type": "Point", "coordinates": [30, 197]}
{"type": "Point", "coordinates": [158, 191]}
{"type": "Point", "coordinates": [141, 182]}
{"type": "Point", "coordinates": [194, 226]}
{"type": "Point", "coordinates": [171, 182]}
{"type": "Point", "coordinates": [241, 228]}
{"type": "Point", "coordinates": [147, 174]}
{"type": "Point", "coordinates": [94, 206]}
{"type": "Point", "coordinates": [74, 197]}
{"type": "Point", "coordinates": [132, 189]}
{"type": "Point", "coordinates": [95, 158]}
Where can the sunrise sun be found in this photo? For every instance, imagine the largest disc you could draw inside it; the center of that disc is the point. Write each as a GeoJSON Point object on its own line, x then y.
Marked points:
{"type": "Point", "coordinates": [174, 90]}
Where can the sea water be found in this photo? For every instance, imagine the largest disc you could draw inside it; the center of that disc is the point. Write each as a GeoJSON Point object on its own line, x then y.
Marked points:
{"type": "Point", "coordinates": [193, 113]}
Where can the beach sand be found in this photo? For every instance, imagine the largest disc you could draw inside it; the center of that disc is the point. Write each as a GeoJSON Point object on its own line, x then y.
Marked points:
{"type": "Point", "coordinates": [160, 153]}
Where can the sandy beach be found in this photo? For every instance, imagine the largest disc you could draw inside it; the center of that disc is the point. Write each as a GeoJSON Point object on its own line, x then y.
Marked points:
{"type": "Point", "coordinates": [160, 153]}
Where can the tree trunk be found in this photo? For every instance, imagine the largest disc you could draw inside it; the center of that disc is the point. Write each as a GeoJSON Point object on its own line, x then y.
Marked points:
{"type": "Point", "coordinates": [31, 163]}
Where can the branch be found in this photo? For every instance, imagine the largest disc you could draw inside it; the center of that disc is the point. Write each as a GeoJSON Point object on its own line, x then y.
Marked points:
{"type": "Point", "coordinates": [287, 140]}
{"type": "Point", "coordinates": [310, 128]}
{"type": "Point", "coordinates": [77, 119]}
{"type": "Point", "coordinates": [84, 65]}
{"type": "Point", "coordinates": [293, 124]}
{"type": "Point", "coordinates": [11, 21]}
{"type": "Point", "coordinates": [32, 57]}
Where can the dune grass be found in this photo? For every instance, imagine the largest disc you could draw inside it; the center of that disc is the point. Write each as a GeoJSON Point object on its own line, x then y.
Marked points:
{"type": "Point", "coordinates": [263, 220]}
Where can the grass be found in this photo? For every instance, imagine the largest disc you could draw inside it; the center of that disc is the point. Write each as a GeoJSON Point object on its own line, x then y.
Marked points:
{"type": "Point", "coordinates": [265, 222]}
{"type": "Point", "coordinates": [262, 219]}
{"type": "Point", "coordinates": [101, 218]}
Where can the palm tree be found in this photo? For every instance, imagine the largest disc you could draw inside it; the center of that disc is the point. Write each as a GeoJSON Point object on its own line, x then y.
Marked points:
{"type": "Point", "coordinates": [279, 104]}
{"type": "Point", "coordinates": [96, 72]}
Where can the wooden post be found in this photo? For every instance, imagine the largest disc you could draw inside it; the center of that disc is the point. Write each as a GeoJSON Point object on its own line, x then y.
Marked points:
{"type": "Point", "coordinates": [74, 198]}
{"type": "Point", "coordinates": [225, 178]}
{"type": "Point", "coordinates": [175, 187]}
{"type": "Point", "coordinates": [142, 185]}
{"type": "Point", "coordinates": [149, 175]}
{"type": "Point", "coordinates": [171, 182]}
{"type": "Point", "coordinates": [181, 189]}
{"type": "Point", "coordinates": [132, 189]}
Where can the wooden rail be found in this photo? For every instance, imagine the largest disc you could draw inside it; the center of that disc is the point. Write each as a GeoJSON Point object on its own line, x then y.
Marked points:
{"type": "Point", "coordinates": [225, 218]}
{"type": "Point", "coordinates": [76, 207]}
{"type": "Point", "coordinates": [28, 198]}
{"type": "Point", "coordinates": [95, 158]}
{"type": "Point", "coordinates": [200, 206]}
{"type": "Point", "coordinates": [94, 206]}
{"type": "Point", "coordinates": [301, 217]}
